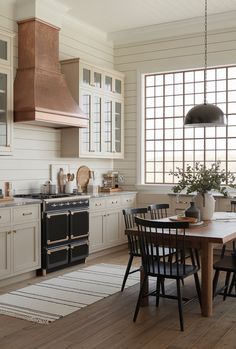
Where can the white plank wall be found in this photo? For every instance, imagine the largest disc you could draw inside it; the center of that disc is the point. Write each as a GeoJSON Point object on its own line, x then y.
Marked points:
{"type": "Point", "coordinates": [35, 148]}
{"type": "Point", "coordinates": [176, 53]}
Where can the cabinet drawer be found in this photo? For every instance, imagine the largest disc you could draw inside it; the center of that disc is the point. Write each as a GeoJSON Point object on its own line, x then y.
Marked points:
{"type": "Point", "coordinates": [113, 202]}
{"type": "Point", "coordinates": [5, 216]}
{"type": "Point", "coordinates": [97, 204]}
{"type": "Point", "coordinates": [128, 200]}
{"type": "Point", "coordinates": [25, 213]}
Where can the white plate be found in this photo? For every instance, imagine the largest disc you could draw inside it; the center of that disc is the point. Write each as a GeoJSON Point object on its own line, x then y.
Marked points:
{"type": "Point", "coordinates": [196, 224]}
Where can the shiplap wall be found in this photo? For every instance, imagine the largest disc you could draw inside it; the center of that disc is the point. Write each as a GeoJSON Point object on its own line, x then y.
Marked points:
{"type": "Point", "coordinates": [176, 53]}
{"type": "Point", "coordinates": [35, 148]}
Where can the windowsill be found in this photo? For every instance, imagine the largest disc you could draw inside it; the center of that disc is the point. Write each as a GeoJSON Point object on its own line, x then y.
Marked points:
{"type": "Point", "coordinates": [167, 189]}
{"type": "Point", "coordinates": [155, 188]}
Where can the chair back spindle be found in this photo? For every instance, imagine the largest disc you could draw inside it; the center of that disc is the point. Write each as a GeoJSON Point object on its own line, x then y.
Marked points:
{"type": "Point", "coordinates": [158, 211]}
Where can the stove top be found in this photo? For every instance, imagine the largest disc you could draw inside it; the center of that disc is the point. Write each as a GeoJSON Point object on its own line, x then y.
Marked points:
{"type": "Point", "coordinates": [47, 196]}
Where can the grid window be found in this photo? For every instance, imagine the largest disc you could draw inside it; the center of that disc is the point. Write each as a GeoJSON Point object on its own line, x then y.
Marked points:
{"type": "Point", "coordinates": [168, 145]}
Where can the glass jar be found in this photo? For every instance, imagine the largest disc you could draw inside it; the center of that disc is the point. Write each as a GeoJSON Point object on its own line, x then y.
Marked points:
{"type": "Point", "coordinates": [193, 211]}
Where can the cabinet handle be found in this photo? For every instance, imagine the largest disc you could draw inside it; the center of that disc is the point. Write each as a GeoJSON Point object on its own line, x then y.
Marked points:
{"type": "Point", "coordinates": [14, 231]}
{"type": "Point", "coordinates": [9, 232]}
{"type": "Point", "coordinates": [98, 204]}
{"type": "Point", "coordinates": [27, 214]}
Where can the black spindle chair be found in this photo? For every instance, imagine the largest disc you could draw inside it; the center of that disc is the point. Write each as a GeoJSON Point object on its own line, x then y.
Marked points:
{"type": "Point", "coordinates": [226, 263]}
{"type": "Point", "coordinates": [155, 236]}
{"type": "Point", "coordinates": [133, 245]}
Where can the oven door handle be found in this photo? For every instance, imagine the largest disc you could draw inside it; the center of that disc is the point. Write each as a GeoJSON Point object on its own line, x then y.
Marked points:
{"type": "Point", "coordinates": [49, 242]}
{"type": "Point", "coordinates": [49, 215]}
{"type": "Point", "coordinates": [78, 236]}
{"type": "Point", "coordinates": [58, 249]}
{"type": "Point", "coordinates": [78, 211]}
{"type": "Point", "coordinates": [81, 244]}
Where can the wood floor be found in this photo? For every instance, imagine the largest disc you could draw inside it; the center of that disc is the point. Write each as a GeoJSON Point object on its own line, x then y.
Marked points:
{"type": "Point", "coordinates": [108, 324]}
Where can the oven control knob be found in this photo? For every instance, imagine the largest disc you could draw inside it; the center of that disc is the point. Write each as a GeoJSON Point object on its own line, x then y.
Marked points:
{"type": "Point", "coordinates": [61, 204]}
{"type": "Point", "coordinates": [74, 203]}
{"type": "Point", "coordinates": [68, 204]}
{"type": "Point", "coordinates": [54, 205]}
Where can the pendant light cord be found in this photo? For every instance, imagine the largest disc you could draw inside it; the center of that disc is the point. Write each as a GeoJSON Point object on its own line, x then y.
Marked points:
{"type": "Point", "coordinates": [205, 58]}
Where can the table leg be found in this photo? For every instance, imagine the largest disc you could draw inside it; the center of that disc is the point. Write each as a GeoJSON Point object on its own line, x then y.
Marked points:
{"type": "Point", "coordinates": [207, 276]}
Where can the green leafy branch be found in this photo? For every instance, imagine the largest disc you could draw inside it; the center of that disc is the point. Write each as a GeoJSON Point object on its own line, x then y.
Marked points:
{"type": "Point", "coordinates": [202, 179]}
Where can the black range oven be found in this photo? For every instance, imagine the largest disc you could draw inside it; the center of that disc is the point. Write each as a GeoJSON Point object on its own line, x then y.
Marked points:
{"type": "Point", "coordinates": [65, 230]}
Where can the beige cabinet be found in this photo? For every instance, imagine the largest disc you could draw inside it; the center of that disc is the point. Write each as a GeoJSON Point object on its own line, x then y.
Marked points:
{"type": "Point", "coordinates": [6, 94]}
{"type": "Point", "coordinates": [26, 247]}
{"type": "Point", "coordinates": [100, 95]}
{"type": "Point", "coordinates": [20, 240]}
{"type": "Point", "coordinates": [5, 252]}
{"type": "Point", "coordinates": [106, 227]}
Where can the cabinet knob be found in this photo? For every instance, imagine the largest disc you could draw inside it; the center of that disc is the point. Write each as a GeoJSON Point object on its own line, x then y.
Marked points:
{"type": "Point", "coordinates": [9, 232]}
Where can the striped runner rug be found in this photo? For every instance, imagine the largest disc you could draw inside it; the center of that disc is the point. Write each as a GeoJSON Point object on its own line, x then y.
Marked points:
{"type": "Point", "coordinates": [55, 298]}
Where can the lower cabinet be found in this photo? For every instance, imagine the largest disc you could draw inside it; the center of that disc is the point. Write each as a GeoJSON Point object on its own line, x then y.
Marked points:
{"type": "Point", "coordinates": [5, 252]}
{"type": "Point", "coordinates": [106, 228]}
{"type": "Point", "coordinates": [25, 247]}
{"type": "Point", "coordinates": [20, 244]}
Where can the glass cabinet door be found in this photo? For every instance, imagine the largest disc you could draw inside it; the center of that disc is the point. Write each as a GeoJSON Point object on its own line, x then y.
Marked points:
{"type": "Point", "coordinates": [86, 76]}
{"type": "Point", "coordinates": [118, 127]}
{"type": "Point", "coordinates": [96, 119]}
{"type": "Point", "coordinates": [118, 88]}
{"type": "Point", "coordinates": [108, 83]}
{"type": "Point", "coordinates": [3, 50]}
{"type": "Point", "coordinates": [3, 110]}
{"type": "Point", "coordinates": [6, 94]}
{"type": "Point", "coordinates": [86, 132]}
{"type": "Point", "coordinates": [108, 126]}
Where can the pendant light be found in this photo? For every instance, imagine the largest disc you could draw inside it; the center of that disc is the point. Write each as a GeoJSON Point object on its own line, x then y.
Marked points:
{"type": "Point", "coordinates": [205, 114]}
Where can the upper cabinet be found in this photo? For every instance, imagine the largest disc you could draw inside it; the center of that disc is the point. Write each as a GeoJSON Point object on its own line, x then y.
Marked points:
{"type": "Point", "coordinates": [6, 94]}
{"type": "Point", "coordinates": [100, 95]}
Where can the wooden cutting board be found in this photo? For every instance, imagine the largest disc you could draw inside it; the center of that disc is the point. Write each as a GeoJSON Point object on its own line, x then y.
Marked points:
{"type": "Point", "coordinates": [82, 177]}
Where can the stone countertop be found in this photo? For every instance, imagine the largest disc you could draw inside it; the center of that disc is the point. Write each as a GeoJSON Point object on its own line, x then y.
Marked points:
{"type": "Point", "coordinates": [19, 202]}
{"type": "Point", "coordinates": [218, 195]}
{"type": "Point", "coordinates": [105, 194]}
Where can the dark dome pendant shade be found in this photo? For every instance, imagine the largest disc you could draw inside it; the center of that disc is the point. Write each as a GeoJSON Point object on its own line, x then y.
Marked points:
{"type": "Point", "coordinates": [205, 114]}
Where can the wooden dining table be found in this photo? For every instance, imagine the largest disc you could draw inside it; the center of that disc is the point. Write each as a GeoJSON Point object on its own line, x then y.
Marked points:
{"type": "Point", "coordinates": [218, 231]}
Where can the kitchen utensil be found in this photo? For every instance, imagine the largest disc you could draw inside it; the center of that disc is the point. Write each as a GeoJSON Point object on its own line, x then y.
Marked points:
{"type": "Point", "coordinates": [72, 177]}
{"type": "Point", "coordinates": [69, 187]}
{"type": "Point", "coordinates": [82, 177]}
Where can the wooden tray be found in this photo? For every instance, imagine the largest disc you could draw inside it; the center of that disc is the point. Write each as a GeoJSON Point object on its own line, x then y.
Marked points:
{"type": "Point", "coordinates": [82, 177]}
{"type": "Point", "coordinates": [110, 190]}
{"type": "Point", "coordinates": [183, 219]}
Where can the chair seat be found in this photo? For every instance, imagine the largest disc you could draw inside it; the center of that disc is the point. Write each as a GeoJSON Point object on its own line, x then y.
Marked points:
{"type": "Point", "coordinates": [227, 263]}
{"type": "Point", "coordinates": [169, 270]}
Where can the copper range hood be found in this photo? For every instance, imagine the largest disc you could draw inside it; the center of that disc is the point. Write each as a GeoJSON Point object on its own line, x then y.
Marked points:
{"type": "Point", "coordinates": [41, 95]}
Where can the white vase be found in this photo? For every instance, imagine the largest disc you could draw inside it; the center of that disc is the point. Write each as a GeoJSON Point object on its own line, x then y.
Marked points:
{"type": "Point", "coordinates": [206, 203]}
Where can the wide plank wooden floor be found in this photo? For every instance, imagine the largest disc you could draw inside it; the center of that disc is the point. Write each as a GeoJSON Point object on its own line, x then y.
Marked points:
{"type": "Point", "coordinates": [108, 323]}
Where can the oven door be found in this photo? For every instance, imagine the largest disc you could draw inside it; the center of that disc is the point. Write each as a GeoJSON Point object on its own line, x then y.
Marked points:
{"type": "Point", "coordinates": [56, 227]}
{"type": "Point", "coordinates": [79, 224]}
{"type": "Point", "coordinates": [79, 250]}
{"type": "Point", "coordinates": [56, 257]}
